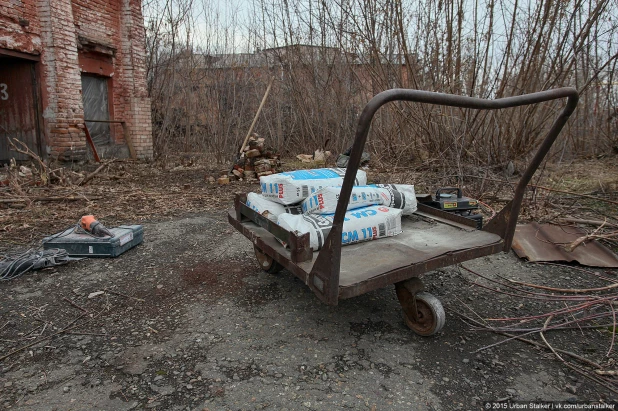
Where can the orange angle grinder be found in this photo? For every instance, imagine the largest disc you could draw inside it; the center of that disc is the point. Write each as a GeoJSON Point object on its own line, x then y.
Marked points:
{"type": "Point", "coordinates": [94, 227]}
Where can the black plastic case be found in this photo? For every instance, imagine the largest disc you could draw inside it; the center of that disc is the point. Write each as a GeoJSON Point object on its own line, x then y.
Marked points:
{"type": "Point", "coordinates": [85, 245]}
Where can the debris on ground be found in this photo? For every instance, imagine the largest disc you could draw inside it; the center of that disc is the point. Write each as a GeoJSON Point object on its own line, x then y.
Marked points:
{"type": "Point", "coordinates": [587, 311]}
{"type": "Point", "coordinates": [319, 157]}
{"type": "Point", "coordinates": [256, 160]}
{"type": "Point", "coordinates": [552, 242]}
{"type": "Point", "coordinates": [162, 322]}
{"type": "Point", "coordinates": [343, 158]}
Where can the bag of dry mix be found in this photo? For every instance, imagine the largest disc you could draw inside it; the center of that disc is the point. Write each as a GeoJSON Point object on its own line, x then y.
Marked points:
{"type": "Point", "coordinates": [324, 201]}
{"type": "Point", "coordinates": [362, 224]}
{"type": "Point", "coordinates": [294, 186]}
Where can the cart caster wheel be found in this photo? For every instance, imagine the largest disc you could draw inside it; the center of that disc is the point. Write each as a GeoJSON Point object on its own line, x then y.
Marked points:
{"type": "Point", "coordinates": [266, 262]}
{"type": "Point", "coordinates": [430, 314]}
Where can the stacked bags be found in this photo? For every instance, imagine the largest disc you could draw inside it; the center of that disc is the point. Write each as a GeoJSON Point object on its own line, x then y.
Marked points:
{"type": "Point", "coordinates": [305, 201]}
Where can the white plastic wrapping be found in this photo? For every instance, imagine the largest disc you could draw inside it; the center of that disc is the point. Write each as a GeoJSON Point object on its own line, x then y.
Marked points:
{"type": "Point", "coordinates": [268, 208]}
{"type": "Point", "coordinates": [294, 186]}
{"type": "Point", "coordinates": [363, 224]}
{"type": "Point", "coordinates": [324, 201]}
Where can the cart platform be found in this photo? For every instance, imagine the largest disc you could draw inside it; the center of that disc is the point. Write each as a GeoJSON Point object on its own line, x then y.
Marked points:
{"type": "Point", "coordinates": [431, 238]}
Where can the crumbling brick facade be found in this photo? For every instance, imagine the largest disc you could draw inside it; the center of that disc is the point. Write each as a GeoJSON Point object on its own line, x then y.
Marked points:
{"type": "Point", "coordinates": [73, 38]}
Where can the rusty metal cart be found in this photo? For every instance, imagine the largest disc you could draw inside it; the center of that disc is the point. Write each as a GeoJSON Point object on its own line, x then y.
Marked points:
{"type": "Point", "coordinates": [431, 238]}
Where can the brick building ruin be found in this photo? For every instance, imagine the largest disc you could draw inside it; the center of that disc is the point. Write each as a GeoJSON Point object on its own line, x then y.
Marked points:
{"type": "Point", "coordinates": [66, 61]}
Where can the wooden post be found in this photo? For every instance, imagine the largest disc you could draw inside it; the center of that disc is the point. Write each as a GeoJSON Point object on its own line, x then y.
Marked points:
{"type": "Point", "coordinates": [127, 138]}
{"type": "Point", "coordinates": [257, 114]}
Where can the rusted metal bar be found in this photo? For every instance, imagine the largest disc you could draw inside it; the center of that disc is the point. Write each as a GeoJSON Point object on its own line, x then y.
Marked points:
{"type": "Point", "coordinates": [300, 249]}
{"type": "Point", "coordinates": [91, 143]}
{"type": "Point", "coordinates": [125, 131]}
{"type": "Point", "coordinates": [447, 218]}
{"type": "Point", "coordinates": [329, 259]}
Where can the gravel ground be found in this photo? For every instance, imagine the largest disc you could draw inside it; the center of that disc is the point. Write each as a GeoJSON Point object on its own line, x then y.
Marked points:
{"type": "Point", "coordinates": [189, 321]}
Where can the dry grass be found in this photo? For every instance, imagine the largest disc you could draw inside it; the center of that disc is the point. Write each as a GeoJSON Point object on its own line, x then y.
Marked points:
{"type": "Point", "coordinates": [129, 192]}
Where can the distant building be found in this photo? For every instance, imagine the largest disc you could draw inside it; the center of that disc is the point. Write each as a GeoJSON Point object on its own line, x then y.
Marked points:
{"type": "Point", "coordinates": [66, 61]}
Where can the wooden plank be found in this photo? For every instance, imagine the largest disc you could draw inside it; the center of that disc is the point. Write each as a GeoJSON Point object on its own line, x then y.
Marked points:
{"type": "Point", "coordinates": [128, 139]}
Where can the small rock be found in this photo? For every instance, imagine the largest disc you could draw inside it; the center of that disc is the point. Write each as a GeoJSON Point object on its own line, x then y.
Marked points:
{"type": "Point", "coordinates": [189, 386]}
{"type": "Point", "coordinates": [8, 384]}
{"type": "Point", "coordinates": [324, 377]}
{"type": "Point", "coordinates": [217, 391]}
{"type": "Point", "coordinates": [511, 391]}
{"type": "Point", "coordinates": [158, 378]}
{"type": "Point", "coordinates": [66, 389]}
{"type": "Point", "coordinates": [95, 294]}
{"type": "Point", "coordinates": [571, 388]}
{"type": "Point", "coordinates": [445, 379]}
{"type": "Point", "coordinates": [307, 404]}
{"type": "Point", "coordinates": [466, 361]}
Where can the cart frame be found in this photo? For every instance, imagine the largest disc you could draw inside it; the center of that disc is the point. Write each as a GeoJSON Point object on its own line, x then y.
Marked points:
{"type": "Point", "coordinates": [322, 272]}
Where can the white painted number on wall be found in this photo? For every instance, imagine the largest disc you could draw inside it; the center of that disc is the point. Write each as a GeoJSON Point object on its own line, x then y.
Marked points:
{"type": "Point", "coordinates": [3, 94]}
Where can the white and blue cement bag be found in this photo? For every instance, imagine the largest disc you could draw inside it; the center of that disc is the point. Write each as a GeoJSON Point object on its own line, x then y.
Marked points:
{"type": "Point", "coordinates": [362, 224]}
{"type": "Point", "coordinates": [324, 201]}
{"type": "Point", "coordinates": [294, 186]}
{"type": "Point", "coordinates": [268, 208]}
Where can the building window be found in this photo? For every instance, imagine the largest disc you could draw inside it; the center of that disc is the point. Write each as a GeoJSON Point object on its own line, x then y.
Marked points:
{"type": "Point", "coordinates": [95, 94]}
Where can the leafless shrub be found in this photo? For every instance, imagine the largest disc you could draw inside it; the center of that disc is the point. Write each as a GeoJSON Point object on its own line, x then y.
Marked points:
{"type": "Point", "coordinates": [207, 75]}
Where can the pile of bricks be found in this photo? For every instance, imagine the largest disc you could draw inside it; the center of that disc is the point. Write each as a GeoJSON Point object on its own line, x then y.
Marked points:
{"type": "Point", "coordinates": [257, 160]}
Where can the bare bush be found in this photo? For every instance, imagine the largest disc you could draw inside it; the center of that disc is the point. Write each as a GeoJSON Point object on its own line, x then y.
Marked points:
{"type": "Point", "coordinates": [207, 73]}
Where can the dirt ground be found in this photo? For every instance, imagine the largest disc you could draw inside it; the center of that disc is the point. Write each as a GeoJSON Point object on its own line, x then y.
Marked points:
{"type": "Point", "coordinates": [188, 320]}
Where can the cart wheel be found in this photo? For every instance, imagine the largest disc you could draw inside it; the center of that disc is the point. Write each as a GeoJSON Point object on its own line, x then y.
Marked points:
{"type": "Point", "coordinates": [430, 314]}
{"type": "Point", "coordinates": [266, 262]}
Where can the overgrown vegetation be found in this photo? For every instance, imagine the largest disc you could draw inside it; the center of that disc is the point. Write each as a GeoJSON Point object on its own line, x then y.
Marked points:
{"type": "Point", "coordinates": [207, 73]}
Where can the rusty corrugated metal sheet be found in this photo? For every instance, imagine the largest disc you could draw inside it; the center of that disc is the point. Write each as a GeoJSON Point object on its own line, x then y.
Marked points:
{"type": "Point", "coordinates": [18, 116]}
{"type": "Point", "coordinates": [545, 242]}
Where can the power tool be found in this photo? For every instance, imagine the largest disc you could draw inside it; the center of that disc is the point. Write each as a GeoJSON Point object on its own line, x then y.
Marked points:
{"type": "Point", "coordinates": [446, 200]}
{"type": "Point", "coordinates": [94, 227]}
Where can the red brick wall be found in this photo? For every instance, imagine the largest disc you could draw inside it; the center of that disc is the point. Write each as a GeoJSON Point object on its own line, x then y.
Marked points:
{"type": "Point", "coordinates": [19, 26]}
{"type": "Point", "coordinates": [63, 111]}
{"type": "Point", "coordinates": [54, 29]}
{"type": "Point", "coordinates": [119, 24]}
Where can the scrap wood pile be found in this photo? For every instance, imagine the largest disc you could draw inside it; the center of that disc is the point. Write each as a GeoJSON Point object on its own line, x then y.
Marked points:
{"type": "Point", "coordinates": [256, 160]}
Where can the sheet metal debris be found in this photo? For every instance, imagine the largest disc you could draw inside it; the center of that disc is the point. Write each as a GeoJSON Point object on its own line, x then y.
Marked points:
{"type": "Point", "coordinates": [546, 242]}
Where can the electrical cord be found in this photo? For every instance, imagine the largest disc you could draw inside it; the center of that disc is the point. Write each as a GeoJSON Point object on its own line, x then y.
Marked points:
{"type": "Point", "coordinates": [13, 265]}
{"type": "Point", "coordinates": [17, 264]}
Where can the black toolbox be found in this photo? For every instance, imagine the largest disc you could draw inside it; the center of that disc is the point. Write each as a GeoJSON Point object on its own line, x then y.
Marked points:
{"type": "Point", "coordinates": [81, 244]}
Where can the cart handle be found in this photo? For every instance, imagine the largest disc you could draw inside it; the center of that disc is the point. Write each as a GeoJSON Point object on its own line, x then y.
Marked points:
{"type": "Point", "coordinates": [330, 255]}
